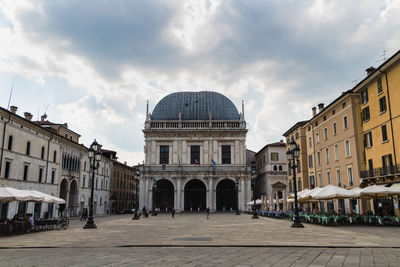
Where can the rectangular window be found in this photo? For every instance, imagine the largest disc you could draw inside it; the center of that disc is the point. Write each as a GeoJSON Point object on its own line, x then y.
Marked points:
{"type": "Point", "coordinates": [368, 139]}
{"type": "Point", "coordinates": [274, 156]}
{"type": "Point", "coordinates": [84, 181]}
{"type": "Point", "coordinates": [226, 155]}
{"type": "Point", "coordinates": [334, 128]}
{"type": "Point", "coordinates": [312, 182]}
{"type": "Point", "coordinates": [345, 124]}
{"type": "Point", "coordinates": [309, 142]}
{"type": "Point", "coordinates": [326, 133]}
{"type": "Point", "coordinates": [299, 187]}
{"type": "Point", "coordinates": [299, 167]}
{"type": "Point", "coordinates": [264, 160]}
{"type": "Point", "coordinates": [328, 177]}
{"type": "Point", "coordinates": [350, 175]}
{"type": "Point", "coordinates": [379, 82]}
{"type": "Point", "coordinates": [310, 161]}
{"type": "Point", "coordinates": [336, 152]}
{"type": "Point", "coordinates": [318, 158]}
{"type": "Point", "coordinates": [327, 159]}
{"type": "Point", "coordinates": [297, 135]}
{"type": "Point", "coordinates": [364, 96]}
{"type": "Point", "coordinates": [53, 175]}
{"type": "Point", "coordinates": [7, 170]}
{"type": "Point", "coordinates": [347, 147]}
{"type": "Point", "coordinates": [365, 114]}
{"type": "Point", "coordinates": [40, 174]}
{"type": "Point", "coordinates": [370, 168]}
{"type": "Point", "coordinates": [195, 154]}
{"type": "Point", "coordinates": [338, 178]}
{"type": "Point", "coordinates": [164, 154]}
{"type": "Point", "coordinates": [384, 133]}
{"type": "Point", "coordinates": [26, 172]}
{"type": "Point", "coordinates": [382, 104]}
{"type": "Point", "coordinates": [317, 138]}
{"type": "Point", "coordinates": [387, 161]}
{"type": "Point", "coordinates": [320, 179]}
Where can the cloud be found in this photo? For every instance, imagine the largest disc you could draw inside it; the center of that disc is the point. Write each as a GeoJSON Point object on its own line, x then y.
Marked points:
{"type": "Point", "coordinates": [281, 57]}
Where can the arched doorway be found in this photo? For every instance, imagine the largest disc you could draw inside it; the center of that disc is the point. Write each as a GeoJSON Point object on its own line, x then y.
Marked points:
{"type": "Point", "coordinates": [164, 195]}
{"type": "Point", "coordinates": [73, 199]}
{"type": "Point", "coordinates": [195, 195]}
{"type": "Point", "coordinates": [63, 195]}
{"type": "Point", "coordinates": [226, 195]}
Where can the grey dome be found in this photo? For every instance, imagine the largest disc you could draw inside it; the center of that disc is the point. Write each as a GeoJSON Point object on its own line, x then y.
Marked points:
{"type": "Point", "coordinates": [195, 106]}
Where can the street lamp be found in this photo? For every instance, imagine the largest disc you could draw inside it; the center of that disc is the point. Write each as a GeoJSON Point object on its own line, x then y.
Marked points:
{"type": "Point", "coordinates": [293, 155]}
{"type": "Point", "coordinates": [154, 197]}
{"type": "Point", "coordinates": [94, 158]}
{"type": "Point", "coordinates": [253, 183]}
{"type": "Point", "coordinates": [237, 195]}
{"type": "Point", "coordinates": [136, 174]}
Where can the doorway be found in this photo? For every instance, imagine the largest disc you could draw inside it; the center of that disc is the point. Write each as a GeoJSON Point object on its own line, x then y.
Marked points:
{"type": "Point", "coordinates": [195, 195]}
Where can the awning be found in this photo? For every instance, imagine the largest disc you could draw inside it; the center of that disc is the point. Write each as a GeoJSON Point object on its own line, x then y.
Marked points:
{"type": "Point", "coordinates": [10, 194]}
{"type": "Point", "coordinates": [380, 190]}
{"type": "Point", "coordinates": [258, 202]}
{"type": "Point", "coordinates": [46, 197]}
{"type": "Point", "coordinates": [332, 192]}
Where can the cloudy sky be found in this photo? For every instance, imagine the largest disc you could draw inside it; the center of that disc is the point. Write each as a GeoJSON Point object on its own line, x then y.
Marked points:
{"type": "Point", "coordinates": [94, 64]}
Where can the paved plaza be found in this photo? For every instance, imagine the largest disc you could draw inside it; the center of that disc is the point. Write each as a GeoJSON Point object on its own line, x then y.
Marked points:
{"type": "Point", "coordinates": [192, 240]}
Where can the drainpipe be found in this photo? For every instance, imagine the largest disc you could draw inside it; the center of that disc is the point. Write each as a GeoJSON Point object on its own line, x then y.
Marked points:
{"type": "Point", "coordinates": [390, 116]}
{"type": "Point", "coordinates": [48, 152]}
{"type": "Point", "coordinates": [2, 144]}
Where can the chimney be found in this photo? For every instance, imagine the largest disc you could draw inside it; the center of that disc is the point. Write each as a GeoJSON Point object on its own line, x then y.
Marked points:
{"type": "Point", "coordinates": [281, 141]}
{"type": "Point", "coordinates": [320, 107]}
{"type": "Point", "coordinates": [314, 111]}
{"type": "Point", "coordinates": [28, 116]}
{"type": "Point", "coordinates": [125, 162]}
{"type": "Point", "coordinates": [14, 109]}
{"type": "Point", "coordinates": [370, 70]}
{"type": "Point", "coordinates": [43, 117]}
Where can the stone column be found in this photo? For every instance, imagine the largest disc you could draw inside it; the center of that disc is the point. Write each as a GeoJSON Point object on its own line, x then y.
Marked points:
{"type": "Point", "coordinates": [242, 196]}
{"type": "Point", "coordinates": [146, 194]}
{"type": "Point", "coordinates": [284, 200]}
{"type": "Point", "coordinates": [210, 200]}
{"type": "Point", "coordinates": [277, 202]}
{"type": "Point", "coordinates": [178, 195]}
{"type": "Point", "coordinates": [271, 201]}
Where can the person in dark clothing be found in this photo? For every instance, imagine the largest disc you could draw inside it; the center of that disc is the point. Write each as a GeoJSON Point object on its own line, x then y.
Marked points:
{"type": "Point", "coordinates": [173, 212]}
{"type": "Point", "coordinates": [144, 211]}
{"type": "Point", "coordinates": [208, 212]}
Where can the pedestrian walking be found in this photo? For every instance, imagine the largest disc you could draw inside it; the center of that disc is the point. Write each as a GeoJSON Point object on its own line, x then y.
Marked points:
{"type": "Point", "coordinates": [173, 213]}
{"type": "Point", "coordinates": [208, 212]}
{"type": "Point", "coordinates": [83, 215]}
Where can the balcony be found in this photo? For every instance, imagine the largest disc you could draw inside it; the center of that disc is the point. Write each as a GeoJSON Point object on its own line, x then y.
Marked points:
{"type": "Point", "coordinates": [195, 125]}
{"type": "Point", "coordinates": [384, 172]}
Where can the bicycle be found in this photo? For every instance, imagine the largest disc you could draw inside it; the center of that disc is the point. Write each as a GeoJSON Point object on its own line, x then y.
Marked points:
{"type": "Point", "coordinates": [62, 224]}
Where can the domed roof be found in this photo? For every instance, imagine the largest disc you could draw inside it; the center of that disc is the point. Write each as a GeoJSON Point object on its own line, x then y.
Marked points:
{"type": "Point", "coordinates": [195, 106]}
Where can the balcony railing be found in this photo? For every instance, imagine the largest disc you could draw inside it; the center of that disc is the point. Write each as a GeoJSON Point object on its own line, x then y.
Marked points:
{"type": "Point", "coordinates": [196, 125]}
{"type": "Point", "coordinates": [381, 172]}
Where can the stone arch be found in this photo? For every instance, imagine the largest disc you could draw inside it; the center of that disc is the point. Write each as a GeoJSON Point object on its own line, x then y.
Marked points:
{"type": "Point", "coordinates": [165, 194]}
{"type": "Point", "coordinates": [73, 198]}
{"type": "Point", "coordinates": [195, 178]}
{"type": "Point", "coordinates": [224, 178]}
{"type": "Point", "coordinates": [226, 195]}
{"type": "Point", "coordinates": [195, 197]}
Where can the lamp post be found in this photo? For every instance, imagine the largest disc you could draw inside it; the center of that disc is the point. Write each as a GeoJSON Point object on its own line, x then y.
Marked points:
{"type": "Point", "coordinates": [253, 183]}
{"type": "Point", "coordinates": [94, 158]}
{"type": "Point", "coordinates": [293, 154]}
{"type": "Point", "coordinates": [237, 195]}
{"type": "Point", "coordinates": [154, 198]}
{"type": "Point", "coordinates": [136, 216]}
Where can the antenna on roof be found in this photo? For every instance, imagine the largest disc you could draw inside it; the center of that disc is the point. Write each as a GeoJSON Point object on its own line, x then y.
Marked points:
{"type": "Point", "coordinates": [383, 55]}
{"type": "Point", "coordinates": [9, 99]}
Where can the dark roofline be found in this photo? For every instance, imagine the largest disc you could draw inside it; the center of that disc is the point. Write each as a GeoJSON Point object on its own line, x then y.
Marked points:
{"type": "Point", "coordinates": [377, 69]}
{"type": "Point", "coordinates": [43, 128]}
{"type": "Point", "coordinates": [272, 144]}
{"type": "Point", "coordinates": [300, 123]}
{"type": "Point", "coordinates": [58, 124]}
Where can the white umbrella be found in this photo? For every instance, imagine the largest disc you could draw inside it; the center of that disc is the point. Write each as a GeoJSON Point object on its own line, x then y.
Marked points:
{"type": "Point", "coordinates": [46, 197]}
{"type": "Point", "coordinates": [258, 202]}
{"type": "Point", "coordinates": [310, 194]}
{"type": "Point", "coordinates": [376, 190]}
{"type": "Point", "coordinates": [12, 194]}
{"type": "Point", "coordinates": [300, 194]}
{"type": "Point", "coordinates": [332, 192]}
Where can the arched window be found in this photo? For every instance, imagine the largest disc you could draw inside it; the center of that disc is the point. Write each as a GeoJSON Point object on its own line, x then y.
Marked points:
{"type": "Point", "coordinates": [10, 142]}
{"type": "Point", "coordinates": [55, 156]}
{"type": "Point", "coordinates": [275, 168]}
{"type": "Point", "coordinates": [28, 148]}
{"type": "Point", "coordinates": [280, 167]}
{"type": "Point", "coordinates": [299, 187]}
{"type": "Point", "coordinates": [42, 153]}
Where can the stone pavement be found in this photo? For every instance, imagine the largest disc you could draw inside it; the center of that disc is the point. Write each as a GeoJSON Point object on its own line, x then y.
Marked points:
{"type": "Point", "coordinates": [191, 240]}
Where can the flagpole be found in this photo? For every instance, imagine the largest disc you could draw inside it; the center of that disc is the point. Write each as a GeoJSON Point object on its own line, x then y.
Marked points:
{"type": "Point", "coordinates": [9, 99]}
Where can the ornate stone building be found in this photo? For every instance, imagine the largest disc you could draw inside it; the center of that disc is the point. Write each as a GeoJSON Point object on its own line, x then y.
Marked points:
{"type": "Point", "coordinates": [195, 154]}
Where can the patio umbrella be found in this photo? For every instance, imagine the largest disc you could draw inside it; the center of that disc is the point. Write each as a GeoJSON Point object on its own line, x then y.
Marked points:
{"type": "Point", "coordinates": [380, 190]}
{"type": "Point", "coordinates": [11, 194]}
{"type": "Point", "coordinates": [308, 196]}
{"type": "Point", "coordinates": [46, 197]}
{"type": "Point", "coordinates": [300, 194]}
{"type": "Point", "coordinates": [332, 192]}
